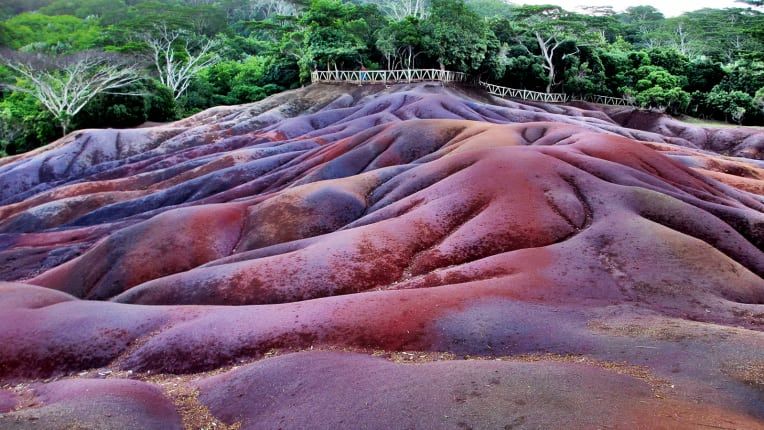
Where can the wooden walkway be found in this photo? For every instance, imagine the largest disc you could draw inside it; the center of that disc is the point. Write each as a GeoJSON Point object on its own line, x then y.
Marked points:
{"type": "Point", "coordinates": [436, 75]}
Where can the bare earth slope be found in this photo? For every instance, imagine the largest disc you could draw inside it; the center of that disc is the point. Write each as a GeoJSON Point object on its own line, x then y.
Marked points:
{"type": "Point", "coordinates": [405, 257]}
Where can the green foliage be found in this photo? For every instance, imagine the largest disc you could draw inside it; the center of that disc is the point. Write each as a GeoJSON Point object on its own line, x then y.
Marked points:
{"type": "Point", "coordinates": [719, 34]}
{"type": "Point", "coordinates": [673, 100]}
{"type": "Point", "coordinates": [523, 71]}
{"type": "Point", "coordinates": [639, 22]}
{"type": "Point", "coordinates": [703, 75]}
{"type": "Point", "coordinates": [401, 42]}
{"type": "Point", "coordinates": [732, 106]}
{"type": "Point", "coordinates": [657, 88]}
{"type": "Point", "coordinates": [457, 37]}
{"type": "Point", "coordinates": [616, 68]}
{"type": "Point", "coordinates": [670, 59]}
{"type": "Point", "coordinates": [5, 77]}
{"type": "Point", "coordinates": [236, 47]}
{"type": "Point", "coordinates": [585, 74]}
{"type": "Point", "coordinates": [553, 35]}
{"type": "Point", "coordinates": [162, 106]}
{"type": "Point", "coordinates": [202, 19]}
{"type": "Point", "coordinates": [490, 8]}
{"type": "Point", "coordinates": [746, 76]}
{"type": "Point", "coordinates": [122, 109]}
{"type": "Point", "coordinates": [15, 7]}
{"type": "Point", "coordinates": [654, 76]}
{"type": "Point", "coordinates": [24, 124]}
{"type": "Point", "coordinates": [233, 82]}
{"type": "Point", "coordinates": [329, 34]}
{"type": "Point", "coordinates": [759, 99]}
{"type": "Point", "coordinates": [84, 8]}
{"type": "Point", "coordinates": [60, 34]}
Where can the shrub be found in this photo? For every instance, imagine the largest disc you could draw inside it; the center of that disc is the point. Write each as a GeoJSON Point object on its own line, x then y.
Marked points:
{"type": "Point", "coordinates": [24, 124]}
{"type": "Point", "coordinates": [672, 100]}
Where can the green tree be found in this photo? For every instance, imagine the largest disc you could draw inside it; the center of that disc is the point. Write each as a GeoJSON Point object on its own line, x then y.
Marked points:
{"type": "Point", "coordinates": [670, 59]}
{"type": "Point", "coordinates": [556, 34]}
{"type": "Point", "coordinates": [640, 22]}
{"type": "Point", "coordinates": [652, 76]}
{"type": "Point", "coordinates": [56, 34]}
{"type": "Point", "coordinates": [732, 106]}
{"type": "Point", "coordinates": [456, 37]}
{"type": "Point", "coordinates": [328, 34]}
{"type": "Point", "coordinates": [585, 74]}
{"type": "Point", "coordinates": [398, 10]}
{"type": "Point", "coordinates": [703, 75]}
{"type": "Point", "coordinates": [121, 108]}
{"type": "Point", "coordinates": [720, 34]}
{"type": "Point", "coordinates": [199, 19]}
{"type": "Point", "coordinates": [15, 7]}
{"type": "Point", "coordinates": [236, 82]}
{"type": "Point", "coordinates": [178, 56]}
{"type": "Point", "coordinates": [759, 99]}
{"type": "Point", "coordinates": [657, 88]}
{"type": "Point", "coordinates": [84, 8]}
{"type": "Point", "coordinates": [490, 8]}
{"type": "Point", "coordinates": [603, 20]}
{"type": "Point", "coordinates": [65, 84]}
{"type": "Point", "coordinates": [401, 42]}
{"type": "Point", "coordinates": [672, 100]}
{"type": "Point", "coordinates": [24, 124]}
{"type": "Point", "coordinates": [745, 76]}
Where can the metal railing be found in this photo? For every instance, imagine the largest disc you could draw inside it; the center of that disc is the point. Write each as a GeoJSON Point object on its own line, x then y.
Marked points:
{"type": "Point", "coordinates": [524, 94]}
{"type": "Point", "coordinates": [386, 76]}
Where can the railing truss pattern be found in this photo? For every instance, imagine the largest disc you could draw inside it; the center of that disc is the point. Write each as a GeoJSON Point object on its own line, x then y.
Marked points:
{"type": "Point", "coordinates": [524, 94]}
{"type": "Point", "coordinates": [386, 76]}
{"type": "Point", "coordinates": [437, 75]}
{"type": "Point", "coordinates": [604, 100]}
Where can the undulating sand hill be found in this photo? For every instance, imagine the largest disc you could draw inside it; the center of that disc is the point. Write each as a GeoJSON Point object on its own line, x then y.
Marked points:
{"type": "Point", "coordinates": [417, 256]}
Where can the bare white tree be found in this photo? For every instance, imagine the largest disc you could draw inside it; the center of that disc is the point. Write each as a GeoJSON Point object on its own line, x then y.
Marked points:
{"type": "Point", "coordinates": [400, 9]}
{"type": "Point", "coordinates": [268, 8]}
{"type": "Point", "coordinates": [64, 85]}
{"type": "Point", "coordinates": [547, 46]}
{"type": "Point", "coordinates": [175, 59]}
{"type": "Point", "coordinates": [551, 27]}
{"type": "Point", "coordinates": [397, 55]}
{"type": "Point", "coordinates": [682, 41]}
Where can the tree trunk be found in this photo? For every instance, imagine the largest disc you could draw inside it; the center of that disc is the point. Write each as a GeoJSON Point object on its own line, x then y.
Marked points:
{"type": "Point", "coordinates": [547, 48]}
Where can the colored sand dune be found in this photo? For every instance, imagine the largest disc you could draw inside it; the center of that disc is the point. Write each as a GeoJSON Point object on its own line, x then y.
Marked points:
{"type": "Point", "coordinates": [409, 257]}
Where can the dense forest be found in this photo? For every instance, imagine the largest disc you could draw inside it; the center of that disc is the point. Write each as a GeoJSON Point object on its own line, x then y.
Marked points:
{"type": "Point", "coordinates": [69, 64]}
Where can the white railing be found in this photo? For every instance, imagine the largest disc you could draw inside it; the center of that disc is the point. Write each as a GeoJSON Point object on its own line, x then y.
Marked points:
{"type": "Point", "coordinates": [604, 100]}
{"type": "Point", "coordinates": [524, 94]}
{"type": "Point", "coordinates": [421, 75]}
{"type": "Point", "coordinates": [386, 76]}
